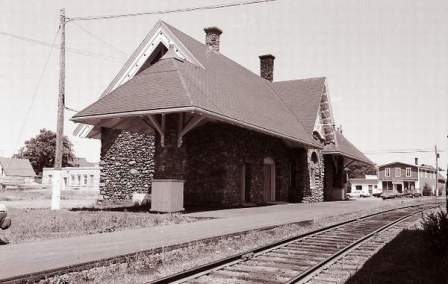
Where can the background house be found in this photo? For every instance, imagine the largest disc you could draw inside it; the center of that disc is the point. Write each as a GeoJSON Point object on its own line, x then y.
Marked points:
{"type": "Point", "coordinates": [368, 186]}
{"type": "Point", "coordinates": [84, 175]}
{"type": "Point", "coordinates": [16, 172]}
{"type": "Point", "coordinates": [404, 178]}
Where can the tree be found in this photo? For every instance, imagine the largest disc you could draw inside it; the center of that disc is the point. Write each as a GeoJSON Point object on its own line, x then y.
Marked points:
{"type": "Point", "coordinates": [358, 170]}
{"type": "Point", "coordinates": [40, 150]}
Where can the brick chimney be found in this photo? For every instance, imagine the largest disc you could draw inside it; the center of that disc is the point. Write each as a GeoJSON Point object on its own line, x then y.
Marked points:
{"type": "Point", "coordinates": [267, 66]}
{"type": "Point", "coordinates": [212, 37]}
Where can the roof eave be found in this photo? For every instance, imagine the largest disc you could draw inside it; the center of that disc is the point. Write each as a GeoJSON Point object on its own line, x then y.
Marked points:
{"type": "Point", "coordinates": [331, 152]}
{"type": "Point", "coordinates": [88, 119]}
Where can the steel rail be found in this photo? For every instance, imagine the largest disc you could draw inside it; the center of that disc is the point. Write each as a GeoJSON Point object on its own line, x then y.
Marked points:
{"type": "Point", "coordinates": [341, 252]}
{"type": "Point", "coordinates": [201, 270]}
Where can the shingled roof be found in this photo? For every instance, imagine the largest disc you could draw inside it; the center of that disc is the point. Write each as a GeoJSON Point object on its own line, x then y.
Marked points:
{"type": "Point", "coordinates": [303, 98]}
{"type": "Point", "coordinates": [216, 86]}
{"type": "Point", "coordinates": [17, 167]}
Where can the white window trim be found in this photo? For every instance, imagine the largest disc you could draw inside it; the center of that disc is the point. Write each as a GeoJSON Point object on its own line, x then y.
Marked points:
{"type": "Point", "coordinates": [408, 170]}
{"type": "Point", "coordinates": [387, 172]}
{"type": "Point", "coordinates": [397, 172]}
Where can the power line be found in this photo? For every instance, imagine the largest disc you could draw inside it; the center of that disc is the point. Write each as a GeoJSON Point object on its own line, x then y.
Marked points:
{"type": "Point", "coordinates": [70, 109]}
{"type": "Point", "coordinates": [401, 152]}
{"type": "Point", "coordinates": [170, 11]}
{"type": "Point", "coordinates": [99, 38]}
{"type": "Point", "coordinates": [71, 50]}
{"type": "Point", "coordinates": [36, 89]}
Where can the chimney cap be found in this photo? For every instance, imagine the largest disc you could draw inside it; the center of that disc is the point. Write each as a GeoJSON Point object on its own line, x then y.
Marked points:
{"type": "Point", "coordinates": [213, 30]}
{"type": "Point", "coordinates": [266, 56]}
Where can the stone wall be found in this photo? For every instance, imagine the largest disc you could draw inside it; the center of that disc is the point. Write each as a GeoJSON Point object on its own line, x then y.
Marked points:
{"type": "Point", "coordinates": [215, 157]}
{"type": "Point", "coordinates": [211, 161]}
{"type": "Point", "coordinates": [126, 164]}
{"type": "Point", "coordinates": [316, 171]}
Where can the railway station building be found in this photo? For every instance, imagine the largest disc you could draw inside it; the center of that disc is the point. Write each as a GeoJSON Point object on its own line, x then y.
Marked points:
{"type": "Point", "coordinates": [182, 115]}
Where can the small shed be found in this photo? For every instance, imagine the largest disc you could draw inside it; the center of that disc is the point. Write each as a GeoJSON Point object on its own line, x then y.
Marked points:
{"type": "Point", "coordinates": [15, 172]}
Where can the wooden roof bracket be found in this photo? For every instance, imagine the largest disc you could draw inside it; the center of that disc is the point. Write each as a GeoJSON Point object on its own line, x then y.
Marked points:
{"type": "Point", "coordinates": [183, 130]}
{"type": "Point", "coordinates": [154, 124]}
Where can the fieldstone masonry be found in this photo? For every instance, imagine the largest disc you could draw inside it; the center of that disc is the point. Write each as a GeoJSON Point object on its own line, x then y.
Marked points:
{"type": "Point", "coordinates": [126, 164]}
{"type": "Point", "coordinates": [216, 155]}
{"type": "Point", "coordinates": [211, 161]}
{"type": "Point", "coordinates": [315, 192]}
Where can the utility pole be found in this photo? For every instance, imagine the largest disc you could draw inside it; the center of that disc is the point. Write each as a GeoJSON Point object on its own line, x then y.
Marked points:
{"type": "Point", "coordinates": [57, 182]}
{"type": "Point", "coordinates": [437, 170]}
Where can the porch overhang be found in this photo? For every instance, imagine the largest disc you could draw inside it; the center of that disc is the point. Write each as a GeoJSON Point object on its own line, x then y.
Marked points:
{"type": "Point", "coordinates": [348, 159]}
{"type": "Point", "coordinates": [141, 121]}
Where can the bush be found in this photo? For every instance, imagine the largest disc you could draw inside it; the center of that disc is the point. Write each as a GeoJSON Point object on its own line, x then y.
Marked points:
{"type": "Point", "coordinates": [435, 231]}
{"type": "Point", "coordinates": [427, 190]}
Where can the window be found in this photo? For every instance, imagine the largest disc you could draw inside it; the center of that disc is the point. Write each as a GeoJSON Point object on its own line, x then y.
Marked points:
{"type": "Point", "coordinates": [79, 179]}
{"type": "Point", "coordinates": [91, 179]}
{"type": "Point", "coordinates": [50, 177]}
{"type": "Point", "coordinates": [359, 187]}
{"type": "Point", "coordinates": [85, 179]}
{"type": "Point", "coordinates": [73, 179]}
{"type": "Point", "coordinates": [397, 172]}
{"type": "Point", "coordinates": [408, 172]}
{"type": "Point", "coordinates": [387, 172]}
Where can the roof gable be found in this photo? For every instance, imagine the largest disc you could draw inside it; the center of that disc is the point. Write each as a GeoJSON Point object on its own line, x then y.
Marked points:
{"type": "Point", "coordinates": [161, 33]}
{"type": "Point", "coordinates": [215, 85]}
{"type": "Point", "coordinates": [303, 98]}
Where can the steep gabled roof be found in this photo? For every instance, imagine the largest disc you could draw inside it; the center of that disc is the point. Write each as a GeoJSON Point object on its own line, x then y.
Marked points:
{"type": "Point", "coordinates": [17, 167]}
{"type": "Point", "coordinates": [303, 98]}
{"type": "Point", "coordinates": [346, 148]}
{"type": "Point", "coordinates": [213, 84]}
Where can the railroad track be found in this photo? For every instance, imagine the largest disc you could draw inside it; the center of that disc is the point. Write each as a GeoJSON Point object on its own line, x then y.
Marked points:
{"type": "Point", "coordinates": [296, 259]}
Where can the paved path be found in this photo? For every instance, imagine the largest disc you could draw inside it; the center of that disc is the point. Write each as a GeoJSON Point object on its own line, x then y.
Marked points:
{"type": "Point", "coordinates": [20, 259]}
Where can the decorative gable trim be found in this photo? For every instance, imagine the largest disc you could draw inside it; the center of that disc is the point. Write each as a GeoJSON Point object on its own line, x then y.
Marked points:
{"type": "Point", "coordinates": [160, 33]}
{"type": "Point", "coordinates": [325, 118]}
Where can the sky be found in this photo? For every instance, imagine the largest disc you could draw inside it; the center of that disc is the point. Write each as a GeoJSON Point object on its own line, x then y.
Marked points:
{"type": "Point", "coordinates": [386, 62]}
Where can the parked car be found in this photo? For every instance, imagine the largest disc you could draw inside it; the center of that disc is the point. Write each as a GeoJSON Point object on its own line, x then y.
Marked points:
{"type": "Point", "coordinates": [389, 195]}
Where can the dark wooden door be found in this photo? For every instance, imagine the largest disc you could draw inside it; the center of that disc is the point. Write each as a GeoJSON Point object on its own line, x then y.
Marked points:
{"type": "Point", "coordinates": [247, 181]}
{"type": "Point", "coordinates": [267, 170]}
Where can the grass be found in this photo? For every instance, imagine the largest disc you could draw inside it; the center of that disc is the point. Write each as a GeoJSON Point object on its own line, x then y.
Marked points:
{"type": "Point", "coordinates": [407, 259]}
{"type": "Point", "coordinates": [38, 224]}
{"type": "Point", "coordinates": [45, 194]}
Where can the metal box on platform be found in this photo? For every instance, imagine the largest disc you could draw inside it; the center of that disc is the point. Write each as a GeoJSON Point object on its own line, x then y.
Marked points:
{"type": "Point", "coordinates": [167, 195]}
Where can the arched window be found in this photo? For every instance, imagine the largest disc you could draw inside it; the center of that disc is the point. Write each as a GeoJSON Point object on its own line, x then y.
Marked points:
{"type": "Point", "coordinates": [314, 158]}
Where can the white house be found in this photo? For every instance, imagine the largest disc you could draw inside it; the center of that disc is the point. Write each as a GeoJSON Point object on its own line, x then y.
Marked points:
{"type": "Point", "coordinates": [364, 187]}
{"type": "Point", "coordinates": [84, 178]}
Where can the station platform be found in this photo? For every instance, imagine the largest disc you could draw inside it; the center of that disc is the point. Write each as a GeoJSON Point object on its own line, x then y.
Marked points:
{"type": "Point", "coordinates": [32, 257]}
